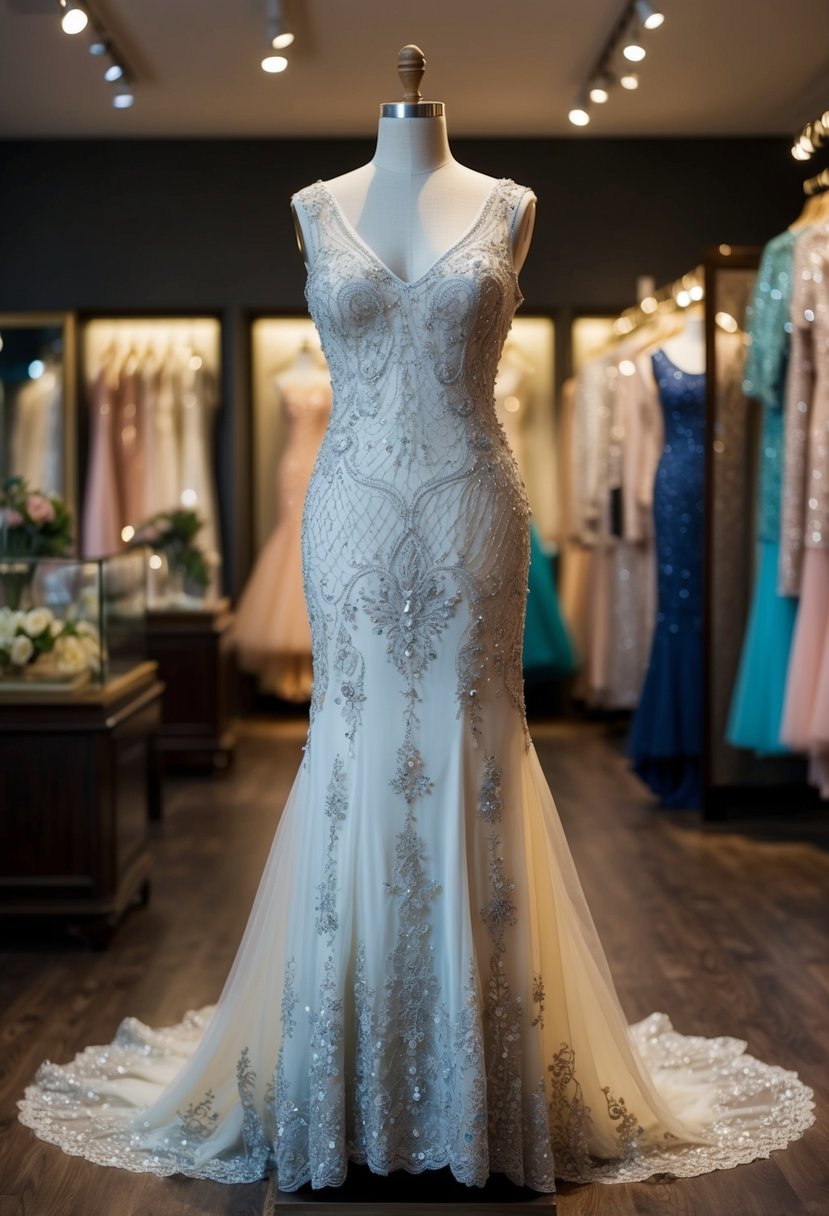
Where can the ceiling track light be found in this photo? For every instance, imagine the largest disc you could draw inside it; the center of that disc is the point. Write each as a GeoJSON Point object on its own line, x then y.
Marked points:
{"type": "Point", "coordinates": [579, 114]}
{"type": "Point", "coordinates": [73, 17]}
{"type": "Point", "coordinates": [600, 87]}
{"type": "Point", "coordinates": [623, 50]}
{"type": "Point", "coordinates": [279, 32]}
{"type": "Point", "coordinates": [633, 50]}
{"type": "Point", "coordinates": [101, 45]}
{"type": "Point", "coordinates": [649, 16]}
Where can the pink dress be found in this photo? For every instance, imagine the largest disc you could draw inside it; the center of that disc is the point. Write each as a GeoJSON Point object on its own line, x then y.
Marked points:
{"type": "Point", "coordinates": [271, 633]}
{"type": "Point", "coordinates": [102, 510]}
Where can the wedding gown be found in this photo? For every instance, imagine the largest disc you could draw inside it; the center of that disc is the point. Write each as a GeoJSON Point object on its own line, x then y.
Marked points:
{"type": "Point", "coordinates": [420, 983]}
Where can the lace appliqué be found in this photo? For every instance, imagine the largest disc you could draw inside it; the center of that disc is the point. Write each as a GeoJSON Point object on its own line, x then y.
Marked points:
{"type": "Point", "coordinates": [336, 806]}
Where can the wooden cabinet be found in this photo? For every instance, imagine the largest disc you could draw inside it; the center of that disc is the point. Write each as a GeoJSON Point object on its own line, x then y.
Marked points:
{"type": "Point", "coordinates": [79, 780]}
{"type": "Point", "coordinates": [194, 661]}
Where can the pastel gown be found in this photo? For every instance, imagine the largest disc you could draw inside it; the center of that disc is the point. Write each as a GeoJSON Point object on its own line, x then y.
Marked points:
{"type": "Point", "coordinates": [804, 549]}
{"type": "Point", "coordinates": [271, 632]}
{"type": "Point", "coordinates": [665, 743]}
{"type": "Point", "coordinates": [548, 648]}
{"type": "Point", "coordinates": [420, 984]}
{"type": "Point", "coordinates": [102, 509]}
{"type": "Point", "coordinates": [757, 701]}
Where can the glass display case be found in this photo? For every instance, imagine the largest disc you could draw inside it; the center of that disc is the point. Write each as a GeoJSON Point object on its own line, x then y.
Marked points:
{"type": "Point", "coordinates": [37, 402]}
{"type": "Point", "coordinates": [68, 623]}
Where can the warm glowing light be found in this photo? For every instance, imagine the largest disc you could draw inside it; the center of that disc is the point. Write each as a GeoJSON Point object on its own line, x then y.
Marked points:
{"type": "Point", "coordinates": [633, 51]}
{"type": "Point", "coordinates": [683, 298]}
{"type": "Point", "coordinates": [74, 19]}
{"type": "Point", "coordinates": [512, 405]}
{"type": "Point", "coordinates": [798, 153]}
{"type": "Point", "coordinates": [725, 250]}
{"type": "Point", "coordinates": [627, 367]}
{"type": "Point", "coordinates": [726, 322]}
{"type": "Point", "coordinates": [127, 533]}
{"type": "Point", "coordinates": [274, 64]}
{"type": "Point", "coordinates": [599, 90]}
{"type": "Point", "coordinates": [194, 362]}
{"type": "Point", "coordinates": [649, 15]}
{"type": "Point", "coordinates": [629, 81]}
{"type": "Point", "coordinates": [36, 369]}
{"type": "Point", "coordinates": [697, 292]}
{"type": "Point", "coordinates": [282, 41]}
{"type": "Point", "coordinates": [579, 116]}
{"type": "Point", "coordinates": [189, 498]}
{"type": "Point", "coordinates": [155, 562]}
{"type": "Point", "coordinates": [649, 304]}
{"type": "Point", "coordinates": [1, 342]}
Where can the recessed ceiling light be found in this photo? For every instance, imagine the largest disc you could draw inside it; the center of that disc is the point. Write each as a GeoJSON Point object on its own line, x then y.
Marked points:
{"type": "Point", "coordinates": [629, 81]}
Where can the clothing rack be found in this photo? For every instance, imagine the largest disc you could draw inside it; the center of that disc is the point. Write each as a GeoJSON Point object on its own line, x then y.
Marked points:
{"type": "Point", "coordinates": [680, 294]}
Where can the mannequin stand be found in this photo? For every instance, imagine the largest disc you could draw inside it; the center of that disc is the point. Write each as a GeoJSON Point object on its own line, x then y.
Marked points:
{"type": "Point", "coordinates": [432, 1193]}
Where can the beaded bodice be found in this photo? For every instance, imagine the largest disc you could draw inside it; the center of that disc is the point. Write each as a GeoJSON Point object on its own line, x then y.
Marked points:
{"type": "Point", "coordinates": [412, 507]}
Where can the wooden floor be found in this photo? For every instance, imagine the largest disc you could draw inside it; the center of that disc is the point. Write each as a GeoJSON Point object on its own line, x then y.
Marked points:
{"type": "Point", "coordinates": [726, 928]}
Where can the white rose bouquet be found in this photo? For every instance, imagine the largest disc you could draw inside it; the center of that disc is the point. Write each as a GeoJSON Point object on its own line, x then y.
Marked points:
{"type": "Point", "coordinates": [37, 640]}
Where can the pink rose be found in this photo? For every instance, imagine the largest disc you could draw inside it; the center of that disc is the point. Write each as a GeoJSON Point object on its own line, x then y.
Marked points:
{"type": "Point", "coordinates": [39, 509]}
{"type": "Point", "coordinates": [12, 518]}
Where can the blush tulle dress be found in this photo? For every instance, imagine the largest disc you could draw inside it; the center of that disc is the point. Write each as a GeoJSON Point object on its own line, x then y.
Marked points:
{"type": "Point", "coordinates": [420, 983]}
{"type": "Point", "coordinates": [271, 631]}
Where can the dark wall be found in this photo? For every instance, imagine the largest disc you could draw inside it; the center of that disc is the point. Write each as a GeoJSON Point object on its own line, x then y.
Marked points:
{"type": "Point", "coordinates": [206, 224]}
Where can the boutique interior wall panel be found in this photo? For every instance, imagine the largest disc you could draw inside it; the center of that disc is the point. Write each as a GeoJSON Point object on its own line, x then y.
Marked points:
{"type": "Point", "coordinates": [155, 224]}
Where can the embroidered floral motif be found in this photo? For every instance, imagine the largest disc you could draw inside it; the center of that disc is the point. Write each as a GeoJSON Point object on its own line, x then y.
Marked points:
{"type": "Point", "coordinates": [628, 1131]}
{"type": "Point", "coordinates": [336, 806]}
{"type": "Point", "coordinates": [351, 666]}
{"type": "Point", "coordinates": [410, 607]}
{"type": "Point", "coordinates": [538, 999]}
{"type": "Point", "coordinates": [489, 796]}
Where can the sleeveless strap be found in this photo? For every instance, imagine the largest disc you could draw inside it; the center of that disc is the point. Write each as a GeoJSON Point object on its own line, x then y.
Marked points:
{"type": "Point", "coordinates": [308, 204]}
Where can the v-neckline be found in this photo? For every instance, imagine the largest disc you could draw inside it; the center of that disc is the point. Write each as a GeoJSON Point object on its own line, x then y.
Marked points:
{"type": "Point", "coordinates": [352, 232]}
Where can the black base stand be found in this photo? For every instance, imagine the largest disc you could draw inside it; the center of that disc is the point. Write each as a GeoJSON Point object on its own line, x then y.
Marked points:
{"type": "Point", "coordinates": [432, 1193]}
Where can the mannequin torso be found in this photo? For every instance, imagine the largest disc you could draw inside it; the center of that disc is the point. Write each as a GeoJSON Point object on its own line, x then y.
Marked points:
{"type": "Point", "coordinates": [413, 201]}
{"type": "Point", "coordinates": [687, 348]}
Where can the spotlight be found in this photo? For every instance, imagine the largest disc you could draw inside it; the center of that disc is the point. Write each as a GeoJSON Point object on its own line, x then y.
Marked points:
{"type": "Point", "coordinates": [633, 50]}
{"type": "Point", "coordinates": [98, 47]}
{"type": "Point", "coordinates": [579, 115]}
{"type": "Point", "coordinates": [649, 304]}
{"type": "Point", "coordinates": [798, 153]}
{"type": "Point", "coordinates": [629, 81]}
{"type": "Point", "coordinates": [123, 97]}
{"type": "Point", "coordinates": [683, 298]}
{"type": "Point", "coordinates": [274, 63]}
{"type": "Point", "coordinates": [279, 32]}
{"type": "Point", "coordinates": [282, 40]}
{"type": "Point", "coordinates": [114, 72]}
{"type": "Point", "coordinates": [650, 16]}
{"type": "Point", "coordinates": [600, 88]}
{"type": "Point", "coordinates": [726, 322]}
{"type": "Point", "coordinates": [697, 292]}
{"type": "Point", "coordinates": [73, 18]}
{"type": "Point", "coordinates": [36, 369]}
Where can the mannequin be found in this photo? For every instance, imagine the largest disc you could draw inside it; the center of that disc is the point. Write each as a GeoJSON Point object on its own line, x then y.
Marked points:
{"type": "Point", "coordinates": [413, 201]}
{"type": "Point", "coordinates": [687, 348]}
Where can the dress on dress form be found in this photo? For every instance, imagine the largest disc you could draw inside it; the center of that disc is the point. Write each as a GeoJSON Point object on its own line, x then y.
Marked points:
{"type": "Point", "coordinates": [420, 983]}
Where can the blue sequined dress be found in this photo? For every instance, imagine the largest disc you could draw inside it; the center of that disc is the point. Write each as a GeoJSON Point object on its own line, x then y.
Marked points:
{"type": "Point", "coordinates": [760, 687]}
{"type": "Point", "coordinates": [666, 734]}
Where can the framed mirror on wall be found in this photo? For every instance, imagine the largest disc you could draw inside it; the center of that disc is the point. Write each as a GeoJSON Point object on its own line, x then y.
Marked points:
{"type": "Point", "coordinates": [745, 667]}
{"type": "Point", "coordinates": [37, 403]}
